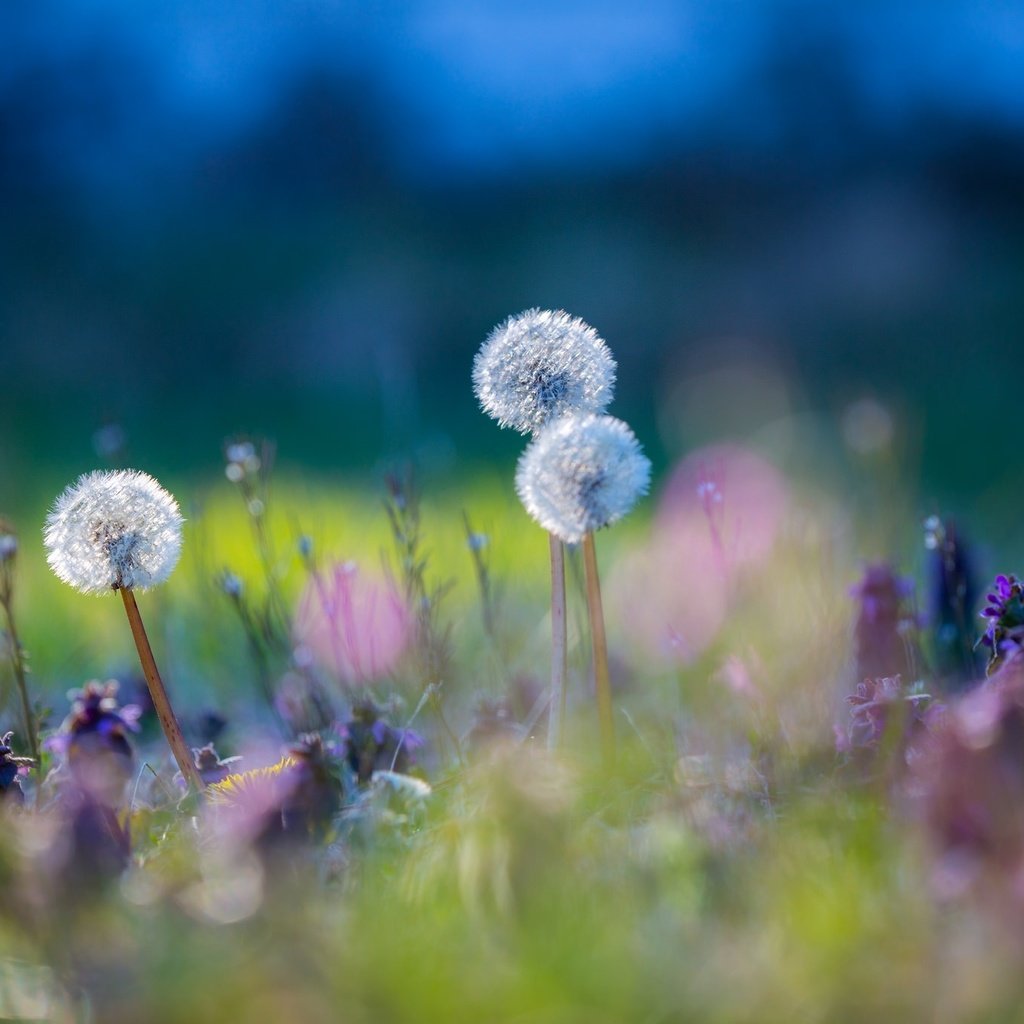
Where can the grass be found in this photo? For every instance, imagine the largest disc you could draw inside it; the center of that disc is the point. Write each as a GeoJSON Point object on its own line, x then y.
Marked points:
{"type": "Point", "coordinates": [731, 868]}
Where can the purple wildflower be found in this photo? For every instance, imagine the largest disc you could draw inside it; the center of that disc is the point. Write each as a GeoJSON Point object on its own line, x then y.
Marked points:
{"type": "Point", "coordinates": [1004, 613]}
{"type": "Point", "coordinates": [212, 768]}
{"type": "Point", "coordinates": [318, 787]}
{"type": "Point", "coordinates": [969, 786]}
{"type": "Point", "coordinates": [12, 768]}
{"type": "Point", "coordinates": [98, 845]}
{"type": "Point", "coordinates": [874, 705]}
{"type": "Point", "coordinates": [884, 645]}
{"type": "Point", "coordinates": [372, 744]}
{"type": "Point", "coordinates": [94, 740]}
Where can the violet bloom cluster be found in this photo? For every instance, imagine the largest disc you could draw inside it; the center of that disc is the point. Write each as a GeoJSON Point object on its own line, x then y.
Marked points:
{"type": "Point", "coordinates": [1004, 614]}
{"type": "Point", "coordinates": [885, 623]}
{"type": "Point", "coordinates": [969, 786]}
{"type": "Point", "coordinates": [94, 740]}
{"type": "Point", "coordinates": [370, 743]}
{"type": "Point", "coordinates": [96, 719]}
{"type": "Point", "coordinates": [12, 768]}
{"type": "Point", "coordinates": [876, 703]}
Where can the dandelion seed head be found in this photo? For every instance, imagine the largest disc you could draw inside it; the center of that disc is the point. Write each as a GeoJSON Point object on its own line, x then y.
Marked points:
{"type": "Point", "coordinates": [540, 365]}
{"type": "Point", "coordinates": [113, 530]}
{"type": "Point", "coordinates": [582, 473]}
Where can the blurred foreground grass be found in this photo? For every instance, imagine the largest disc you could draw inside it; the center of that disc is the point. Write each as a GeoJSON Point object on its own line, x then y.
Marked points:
{"type": "Point", "coordinates": [728, 868]}
{"type": "Point", "coordinates": [536, 890]}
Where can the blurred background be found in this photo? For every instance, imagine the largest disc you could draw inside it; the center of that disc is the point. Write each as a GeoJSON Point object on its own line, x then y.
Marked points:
{"type": "Point", "coordinates": [798, 225]}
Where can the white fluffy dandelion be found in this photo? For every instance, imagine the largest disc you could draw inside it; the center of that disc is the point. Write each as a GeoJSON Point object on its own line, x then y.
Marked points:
{"type": "Point", "coordinates": [582, 473]}
{"type": "Point", "coordinates": [112, 531]}
{"type": "Point", "coordinates": [121, 531]}
{"type": "Point", "coordinates": [540, 365]}
{"type": "Point", "coordinates": [579, 474]}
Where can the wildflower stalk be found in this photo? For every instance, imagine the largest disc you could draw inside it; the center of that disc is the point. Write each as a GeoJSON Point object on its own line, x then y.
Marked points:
{"type": "Point", "coordinates": [20, 678]}
{"type": "Point", "coordinates": [158, 693]}
{"type": "Point", "coordinates": [556, 712]}
{"type": "Point", "coordinates": [602, 680]}
{"type": "Point", "coordinates": [250, 470]}
{"type": "Point", "coordinates": [477, 544]}
{"type": "Point", "coordinates": [257, 636]}
{"type": "Point", "coordinates": [8, 554]}
{"type": "Point", "coordinates": [433, 653]}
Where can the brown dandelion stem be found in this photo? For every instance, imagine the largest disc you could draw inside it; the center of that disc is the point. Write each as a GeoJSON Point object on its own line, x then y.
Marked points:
{"type": "Point", "coordinates": [602, 681]}
{"type": "Point", "coordinates": [161, 702]}
{"type": "Point", "coordinates": [556, 711]}
{"type": "Point", "coordinates": [18, 664]}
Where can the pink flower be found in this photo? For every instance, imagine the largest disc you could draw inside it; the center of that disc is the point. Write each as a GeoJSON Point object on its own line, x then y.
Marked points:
{"type": "Point", "coordinates": [737, 499]}
{"type": "Point", "coordinates": [354, 624]}
{"type": "Point", "coordinates": [719, 514]}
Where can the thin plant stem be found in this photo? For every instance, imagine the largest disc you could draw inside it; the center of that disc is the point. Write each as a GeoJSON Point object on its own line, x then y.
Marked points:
{"type": "Point", "coordinates": [161, 702]}
{"type": "Point", "coordinates": [602, 681]}
{"type": "Point", "coordinates": [20, 677]}
{"type": "Point", "coordinates": [476, 543]}
{"type": "Point", "coordinates": [556, 712]}
{"type": "Point", "coordinates": [435, 699]}
{"type": "Point", "coordinates": [258, 648]}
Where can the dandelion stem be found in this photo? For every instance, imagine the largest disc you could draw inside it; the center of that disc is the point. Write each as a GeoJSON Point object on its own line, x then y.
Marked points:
{"type": "Point", "coordinates": [556, 712]}
{"type": "Point", "coordinates": [599, 642]}
{"type": "Point", "coordinates": [161, 702]}
{"type": "Point", "coordinates": [18, 664]}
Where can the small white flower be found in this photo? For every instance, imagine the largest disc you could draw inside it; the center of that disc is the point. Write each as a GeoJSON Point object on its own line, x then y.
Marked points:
{"type": "Point", "coordinates": [113, 530]}
{"type": "Point", "coordinates": [582, 473]}
{"type": "Point", "coordinates": [540, 365]}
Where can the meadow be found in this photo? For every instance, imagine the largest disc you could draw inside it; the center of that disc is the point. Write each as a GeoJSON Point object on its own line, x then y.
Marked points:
{"type": "Point", "coordinates": [757, 847]}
